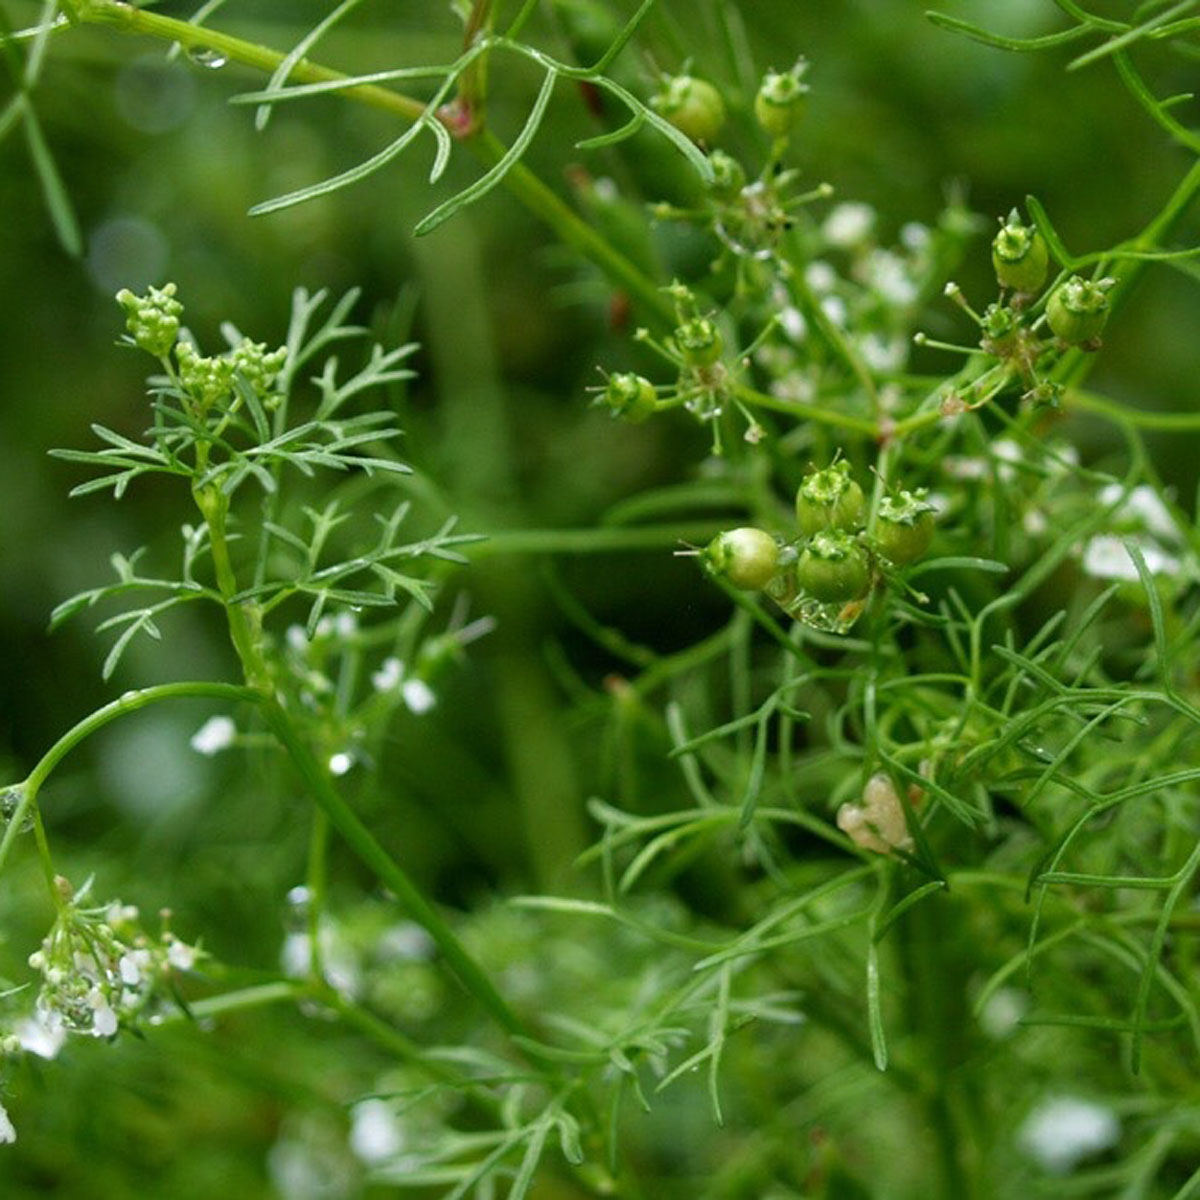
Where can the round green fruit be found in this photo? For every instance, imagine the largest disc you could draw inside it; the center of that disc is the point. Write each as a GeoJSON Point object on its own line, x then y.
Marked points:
{"type": "Point", "coordinates": [693, 106]}
{"type": "Point", "coordinates": [746, 558]}
{"type": "Point", "coordinates": [833, 568]}
{"type": "Point", "coordinates": [904, 529]}
{"type": "Point", "coordinates": [1078, 310]}
{"type": "Point", "coordinates": [830, 499]}
{"type": "Point", "coordinates": [1019, 255]}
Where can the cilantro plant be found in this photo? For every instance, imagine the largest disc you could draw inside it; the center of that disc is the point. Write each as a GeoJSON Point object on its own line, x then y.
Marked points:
{"type": "Point", "coordinates": [871, 870]}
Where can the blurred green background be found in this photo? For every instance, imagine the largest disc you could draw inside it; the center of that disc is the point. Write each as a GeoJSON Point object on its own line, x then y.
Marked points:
{"type": "Point", "coordinates": [162, 170]}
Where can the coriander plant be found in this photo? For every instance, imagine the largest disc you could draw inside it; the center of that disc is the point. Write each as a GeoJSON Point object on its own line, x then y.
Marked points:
{"type": "Point", "coordinates": [760, 762]}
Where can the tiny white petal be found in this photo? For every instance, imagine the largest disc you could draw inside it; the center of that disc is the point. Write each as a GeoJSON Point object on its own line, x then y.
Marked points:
{"type": "Point", "coordinates": [388, 677]}
{"type": "Point", "coordinates": [7, 1133]}
{"type": "Point", "coordinates": [375, 1132]}
{"type": "Point", "coordinates": [131, 973]}
{"type": "Point", "coordinates": [834, 307]}
{"type": "Point", "coordinates": [418, 695]}
{"type": "Point", "coordinates": [340, 763]}
{"type": "Point", "coordinates": [104, 1022]}
{"type": "Point", "coordinates": [40, 1037]}
{"type": "Point", "coordinates": [215, 735]}
{"type": "Point", "coordinates": [1106, 557]}
{"type": "Point", "coordinates": [297, 639]}
{"type": "Point", "coordinates": [1144, 504]}
{"type": "Point", "coordinates": [848, 224]}
{"type": "Point", "coordinates": [181, 956]}
{"type": "Point", "coordinates": [793, 323]}
{"type": "Point", "coordinates": [345, 625]}
{"type": "Point", "coordinates": [820, 276]}
{"type": "Point", "coordinates": [1064, 1129]}
{"type": "Point", "coordinates": [914, 236]}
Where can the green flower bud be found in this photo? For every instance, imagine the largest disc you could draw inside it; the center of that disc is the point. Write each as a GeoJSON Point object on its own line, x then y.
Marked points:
{"type": "Point", "coordinates": [905, 526]}
{"type": "Point", "coordinates": [779, 103]}
{"type": "Point", "coordinates": [699, 341]}
{"type": "Point", "coordinates": [206, 380]}
{"type": "Point", "coordinates": [1078, 310]}
{"type": "Point", "coordinates": [693, 106]}
{"type": "Point", "coordinates": [258, 367]}
{"type": "Point", "coordinates": [729, 176]}
{"type": "Point", "coordinates": [829, 499]}
{"type": "Point", "coordinates": [630, 396]}
{"type": "Point", "coordinates": [1019, 255]}
{"type": "Point", "coordinates": [746, 558]}
{"type": "Point", "coordinates": [833, 568]}
{"type": "Point", "coordinates": [152, 319]}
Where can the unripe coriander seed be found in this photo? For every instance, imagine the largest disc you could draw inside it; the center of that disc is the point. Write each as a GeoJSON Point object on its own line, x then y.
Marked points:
{"type": "Point", "coordinates": [779, 103]}
{"type": "Point", "coordinates": [1078, 310]}
{"type": "Point", "coordinates": [905, 527]}
{"type": "Point", "coordinates": [833, 568]}
{"type": "Point", "coordinates": [630, 396]}
{"type": "Point", "coordinates": [693, 106]}
{"type": "Point", "coordinates": [1019, 255]}
{"type": "Point", "coordinates": [829, 499]}
{"type": "Point", "coordinates": [745, 558]}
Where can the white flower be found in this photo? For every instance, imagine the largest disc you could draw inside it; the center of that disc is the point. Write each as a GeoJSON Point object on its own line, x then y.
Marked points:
{"type": "Point", "coordinates": [7, 1132]}
{"type": "Point", "coordinates": [104, 1019]}
{"type": "Point", "coordinates": [820, 276]}
{"type": "Point", "coordinates": [41, 1034]}
{"type": "Point", "coordinates": [886, 274]}
{"type": "Point", "coordinates": [388, 677]}
{"type": "Point", "coordinates": [882, 353]}
{"type": "Point", "coordinates": [340, 763]}
{"type": "Point", "coordinates": [791, 319]}
{"type": "Point", "coordinates": [406, 941]}
{"type": "Point", "coordinates": [297, 639]}
{"type": "Point", "coordinates": [1064, 1129]}
{"type": "Point", "coordinates": [914, 236]}
{"type": "Point", "coordinates": [418, 696]}
{"type": "Point", "coordinates": [215, 735]}
{"type": "Point", "coordinates": [1144, 505]}
{"type": "Point", "coordinates": [848, 224]}
{"type": "Point", "coordinates": [180, 955]}
{"type": "Point", "coordinates": [375, 1133]}
{"type": "Point", "coordinates": [1106, 557]}
{"type": "Point", "coordinates": [1003, 1012]}
{"type": "Point", "coordinates": [834, 307]}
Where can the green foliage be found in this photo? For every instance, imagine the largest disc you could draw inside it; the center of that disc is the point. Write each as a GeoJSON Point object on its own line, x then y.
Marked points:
{"type": "Point", "coordinates": [858, 861]}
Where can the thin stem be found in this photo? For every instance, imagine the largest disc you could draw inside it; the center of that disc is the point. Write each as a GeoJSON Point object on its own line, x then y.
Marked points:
{"type": "Point", "coordinates": [362, 842]}
{"type": "Point", "coordinates": [200, 38]}
{"type": "Point", "coordinates": [127, 703]}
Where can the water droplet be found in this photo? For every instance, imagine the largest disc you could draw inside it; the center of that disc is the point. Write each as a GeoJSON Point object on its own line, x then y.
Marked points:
{"type": "Point", "coordinates": [10, 801]}
{"type": "Point", "coordinates": [206, 56]}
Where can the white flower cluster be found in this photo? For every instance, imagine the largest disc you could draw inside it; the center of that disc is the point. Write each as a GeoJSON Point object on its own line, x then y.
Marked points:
{"type": "Point", "coordinates": [98, 970]}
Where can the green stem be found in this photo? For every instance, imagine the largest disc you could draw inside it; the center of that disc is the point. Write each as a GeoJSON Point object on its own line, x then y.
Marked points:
{"type": "Point", "coordinates": [199, 37]}
{"type": "Point", "coordinates": [127, 703]}
{"type": "Point", "coordinates": [590, 541]}
{"type": "Point", "coordinates": [245, 628]}
{"type": "Point", "coordinates": [390, 873]}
